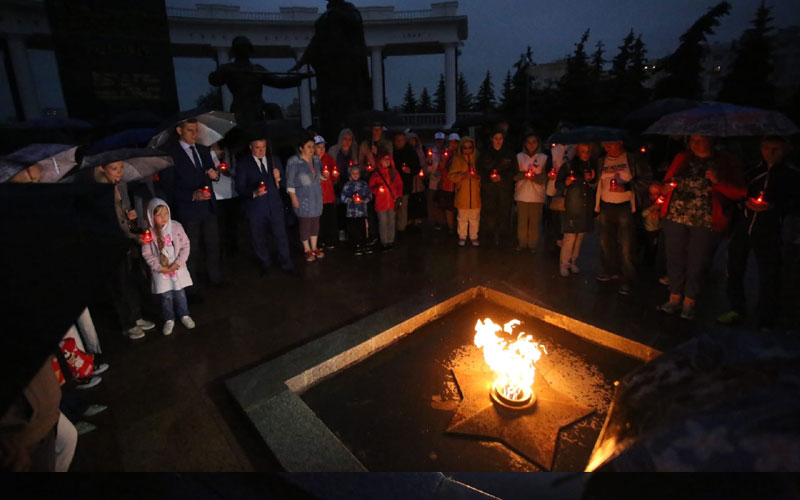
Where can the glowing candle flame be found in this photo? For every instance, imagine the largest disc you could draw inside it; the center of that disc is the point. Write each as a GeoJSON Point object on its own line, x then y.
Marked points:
{"type": "Point", "coordinates": [512, 361]}
{"type": "Point", "coordinates": [146, 237]}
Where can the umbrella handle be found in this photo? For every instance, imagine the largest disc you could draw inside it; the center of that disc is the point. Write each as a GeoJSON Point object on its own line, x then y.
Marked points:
{"type": "Point", "coordinates": [55, 164]}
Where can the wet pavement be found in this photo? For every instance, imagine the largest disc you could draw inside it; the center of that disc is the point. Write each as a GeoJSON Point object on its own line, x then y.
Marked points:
{"type": "Point", "coordinates": [168, 406]}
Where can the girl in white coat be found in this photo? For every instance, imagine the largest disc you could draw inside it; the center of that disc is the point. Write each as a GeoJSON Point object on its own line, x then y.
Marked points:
{"type": "Point", "coordinates": [166, 250]}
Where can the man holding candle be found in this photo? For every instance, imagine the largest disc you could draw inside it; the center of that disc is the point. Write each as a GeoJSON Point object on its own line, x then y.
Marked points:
{"type": "Point", "coordinates": [258, 176]}
{"type": "Point", "coordinates": [622, 175]}
{"type": "Point", "coordinates": [188, 186]}
{"type": "Point", "coordinates": [771, 186]}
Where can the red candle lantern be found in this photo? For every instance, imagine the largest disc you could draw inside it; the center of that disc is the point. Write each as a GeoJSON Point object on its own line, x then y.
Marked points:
{"type": "Point", "coordinates": [206, 190]}
{"type": "Point", "coordinates": [572, 175]}
{"type": "Point", "coordinates": [643, 149]}
{"type": "Point", "coordinates": [495, 175]}
{"type": "Point", "coordinates": [223, 167]}
{"type": "Point", "coordinates": [553, 145]}
{"type": "Point", "coordinates": [446, 153]}
{"type": "Point", "coordinates": [472, 171]}
{"type": "Point", "coordinates": [336, 171]}
{"type": "Point", "coordinates": [350, 164]}
{"type": "Point", "coordinates": [381, 189]}
{"type": "Point", "coordinates": [146, 236]}
{"type": "Point", "coordinates": [613, 183]}
{"type": "Point", "coordinates": [357, 198]}
{"type": "Point", "coordinates": [552, 173]}
{"type": "Point", "coordinates": [421, 173]}
{"type": "Point", "coordinates": [660, 200]}
{"type": "Point", "coordinates": [529, 173]}
{"type": "Point", "coordinates": [325, 171]}
{"type": "Point", "coordinates": [673, 184]}
{"type": "Point", "coordinates": [369, 167]}
{"type": "Point", "coordinates": [759, 200]}
{"type": "Point", "coordinates": [430, 152]}
{"type": "Point", "coordinates": [261, 185]}
{"type": "Point", "coordinates": [156, 177]}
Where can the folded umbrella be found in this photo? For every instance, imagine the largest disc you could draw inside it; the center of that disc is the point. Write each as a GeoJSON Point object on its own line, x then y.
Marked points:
{"type": "Point", "coordinates": [54, 160]}
{"type": "Point", "coordinates": [583, 135]}
{"type": "Point", "coordinates": [140, 163]}
{"type": "Point", "coordinates": [720, 119]}
{"type": "Point", "coordinates": [212, 127]}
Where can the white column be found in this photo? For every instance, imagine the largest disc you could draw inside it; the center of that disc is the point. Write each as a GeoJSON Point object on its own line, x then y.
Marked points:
{"type": "Point", "coordinates": [26, 86]}
{"type": "Point", "coordinates": [449, 84]}
{"type": "Point", "coordinates": [377, 77]}
{"type": "Point", "coordinates": [304, 94]}
{"type": "Point", "coordinates": [223, 56]}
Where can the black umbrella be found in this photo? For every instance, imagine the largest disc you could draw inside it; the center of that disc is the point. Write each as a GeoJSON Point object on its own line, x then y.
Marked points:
{"type": "Point", "coordinates": [53, 260]}
{"type": "Point", "coordinates": [583, 135]}
{"type": "Point", "coordinates": [139, 163]}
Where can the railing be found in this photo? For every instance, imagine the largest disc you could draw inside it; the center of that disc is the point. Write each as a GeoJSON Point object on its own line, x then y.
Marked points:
{"type": "Point", "coordinates": [223, 13]}
{"type": "Point", "coordinates": [430, 120]}
{"type": "Point", "coordinates": [411, 14]}
{"type": "Point", "coordinates": [215, 11]}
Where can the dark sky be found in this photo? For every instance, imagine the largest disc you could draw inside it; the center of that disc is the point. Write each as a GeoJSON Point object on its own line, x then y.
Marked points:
{"type": "Point", "coordinates": [499, 30]}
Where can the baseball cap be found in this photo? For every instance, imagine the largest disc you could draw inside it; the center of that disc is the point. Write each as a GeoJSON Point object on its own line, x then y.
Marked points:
{"type": "Point", "coordinates": [439, 135]}
{"type": "Point", "coordinates": [453, 137]}
{"type": "Point", "coordinates": [318, 139]}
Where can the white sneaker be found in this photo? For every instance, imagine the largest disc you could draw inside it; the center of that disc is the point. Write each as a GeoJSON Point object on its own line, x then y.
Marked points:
{"type": "Point", "coordinates": [188, 322]}
{"type": "Point", "coordinates": [144, 324]}
{"type": "Point", "coordinates": [564, 271]}
{"type": "Point", "coordinates": [135, 333]}
{"type": "Point", "coordinates": [573, 268]}
{"type": "Point", "coordinates": [168, 326]}
{"type": "Point", "coordinates": [90, 383]}
{"type": "Point", "coordinates": [461, 243]}
{"type": "Point", "coordinates": [475, 243]}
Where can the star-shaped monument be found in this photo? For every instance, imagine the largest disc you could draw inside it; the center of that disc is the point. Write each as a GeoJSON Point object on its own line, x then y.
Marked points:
{"type": "Point", "coordinates": [532, 432]}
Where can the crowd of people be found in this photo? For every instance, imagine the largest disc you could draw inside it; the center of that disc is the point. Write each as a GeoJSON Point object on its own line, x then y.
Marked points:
{"type": "Point", "coordinates": [361, 195]}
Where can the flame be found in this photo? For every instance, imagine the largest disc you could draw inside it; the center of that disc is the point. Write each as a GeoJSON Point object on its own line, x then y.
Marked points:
{"type": "Point", "coordinates": [512, 361]}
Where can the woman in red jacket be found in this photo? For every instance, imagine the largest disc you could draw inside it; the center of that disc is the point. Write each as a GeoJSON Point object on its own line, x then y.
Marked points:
{"type": "Point", "coordinates": [387, 188]}
{"type": "Point", "coordinates": [699, 190]}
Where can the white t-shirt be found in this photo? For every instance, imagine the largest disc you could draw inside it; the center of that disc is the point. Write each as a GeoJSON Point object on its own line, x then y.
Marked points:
{"type": "Point", "coordinates": [617, 169]}
{"type": "Point", "coordinates": [526, 190]}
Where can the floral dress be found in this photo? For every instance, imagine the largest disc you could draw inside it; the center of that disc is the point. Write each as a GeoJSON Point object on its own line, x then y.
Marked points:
{"type": "Point", "coordinates": [691, 202]}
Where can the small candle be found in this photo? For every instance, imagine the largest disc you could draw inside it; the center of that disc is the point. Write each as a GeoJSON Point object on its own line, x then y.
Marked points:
{"type": "Point", "coordinates": [430, 152]}
{"type": "Point", "coordinates": [446, 153]}
{"type": "Point", "coordinates": [223, 167]}
{"type": "Point", "coordinates": [357, 198]}
{"type": "Point", "coordinates": [325, 171]}
{"type": "Point", "coordinates": [421, 173]}
{"type": "Point", "coordinates": [369, 167]}
{"type": "Point", "coordinates": [673, 184]}
{"type": "Point", "coordinates": [643, 149]}
{"type": "Point", "coordinates": [336, 170]}
{"type": "Point", "coordinates": [660, 200]}
{"type": "Point", "coordinates": [553, 145]}
{"type": "Point", "coordinates": [381, 189]}
{"type": "Point", "coordinates": [529, 173]}
{"type": "Point", "coordinates": [261, 185]}
{"type": "Point", "coordinates": [494, 174]}
{"type": "Point", "coordinates": [146, 236]}
{"type": "Point", "coordinates": [760, 198]}
{"type": "Point", "coordinates": [613, 183]}
{"type": "Point", "coordinates": [552, 173]}
{"type": "Point", "coordinates": [351, 163]}
{"type": "Point", "coordinates": [206, 190]}
{"type": "Point", "coordinates": [472, 171]}
{"type": "Point", "coordinates": [572, 175]}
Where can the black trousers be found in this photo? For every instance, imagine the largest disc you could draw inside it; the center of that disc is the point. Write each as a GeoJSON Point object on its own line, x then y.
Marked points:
{"type": "Point", "coordinates": [328, 225]}
{"type": "Point", "coordinates": [496, 210]}
{"type": "Point", "coordinates": [124, 292]}
{"type": "Point", "coordinates": [204, 238]}
{"type": "Point", "coordinates": [766, 245]}
{"type": "Point", "coordinates": [229, 213]}
{"type": "Point", "coordinates": [357, 231]}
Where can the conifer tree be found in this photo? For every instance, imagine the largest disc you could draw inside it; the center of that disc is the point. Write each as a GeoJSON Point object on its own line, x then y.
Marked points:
{"type": "Point", "coordinates": [485, 100]}
{"type": "Point", "coordinates": [425, 105]}
{"type": "Point", "coordinates": [440, 96]}
{"type": "Point", "coordinates": [506, 97]}
{"type": "Point", "coordinates": [409, 100]}
{"type": "Point", "coordinates": [463, 97]}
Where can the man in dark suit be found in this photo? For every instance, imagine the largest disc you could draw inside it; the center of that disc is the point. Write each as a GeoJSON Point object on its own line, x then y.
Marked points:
{"type": "Point", "coordinates": [189, 188]}
{"type": "Point", "coordinates": [258, 177]}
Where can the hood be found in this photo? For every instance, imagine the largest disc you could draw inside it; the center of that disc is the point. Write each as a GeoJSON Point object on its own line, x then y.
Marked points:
{"type": "Point", "coordinates": [151, 206]}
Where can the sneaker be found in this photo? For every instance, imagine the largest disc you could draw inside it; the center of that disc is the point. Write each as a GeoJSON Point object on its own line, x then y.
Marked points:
{"type": "Point", "coordinates": [687, 312]}
{"type": "Point", "coordinates": [310, 256]}
{"type": "Point", "coordinates": [564, 271]}
{"type": "Point", "coordinates": [318, 253]}
{"type": "Point", "coordinates": [369, 250]}
{"type": "Point", "coordinates": [342, 235]}
{"type": "Point", "coordinates": [84, 427]}
{"type": "Point", "coordinates": [625, 289]}
{"type": "Point", "coordinates": [573, 268]}
{"type": "Point", "coordinates": [89, 383]}
{"type": "Point", "coordinates": [664, 280]}
{"type": "Point", "coordinates": [359, 251]}
{"type": "Point", "coordinates": [670, 307]}
{"type": "Point", "coordinates": [606, 277]}
{"type": "Point", "coordinates": [94, 410]}
{"type": "Point", "coordinates": [168, 326]}
{"type": "Point", "coordinates": [188, 322]}
{"type": "Point", "coordinates": [729, 318]}
{"type": "Point", "coordinates": [475, 243]}
{"type": "Point", "coordinates": [135, 333]}
{"type": "Point", "coordinates": [461, 243]}
{"type": "Point", "coordinates": [144, 324]}
{"type": "Point", "coordinates": [519, 248]}
{"type": "Point", "coordinates": [98, 369]}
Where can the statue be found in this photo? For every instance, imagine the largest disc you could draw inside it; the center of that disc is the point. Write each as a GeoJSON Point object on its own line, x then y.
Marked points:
{"type": "Point", "coordinates": [338, 54]}
{"type": "Point", "coordinates": [245, 81]}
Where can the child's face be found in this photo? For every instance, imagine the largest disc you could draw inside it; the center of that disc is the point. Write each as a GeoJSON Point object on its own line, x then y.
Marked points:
{"type": "Point", "coordinates": [319, 149]}
{"type": "Point", "coordinates": [161, 217]}
{"type": "Point", "coordinates": [386, 161]}
{"type": "Point", "coordinates": [654, 192]}
{"type": "Point", "coordinates": [355, 174]}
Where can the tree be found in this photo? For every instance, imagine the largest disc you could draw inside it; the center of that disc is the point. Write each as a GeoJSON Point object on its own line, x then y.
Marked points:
{"type": "Point", "coordinates": [506, 97]}
{"type": "Point", "coordinates": [748, 81]}
{"type": "Point", "coordinates": [577, 85]}
{"type": "Point", "coordinates": [425, 105]}
{"type": "Point", "coordinates": [619, 65]}
{"type": "Point", "coordinates": [683, 67]}
{"type": "Point", "coordinates": [625, 90]}
{"type": "Point", "coordinates": [485, 100]}
{"type": "Point", "coordinates": [409, 100]}
{"type": "Point", "coordinates": [597, 59]}
{"type": "Point", "coordinates": [440, 96]}
{"type": "Point", "coordinates": [211, 99]}
{"type": "Point", "coordinates": [463, 97]}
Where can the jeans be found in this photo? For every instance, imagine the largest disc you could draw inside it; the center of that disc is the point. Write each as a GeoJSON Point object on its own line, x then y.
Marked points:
{"type": "Point", "coordinates": [615, 225]}
{"type": "Point", "coordinates": [386, 226]}
{"type": "Point", "coordinates": [689, 251]}
{"type": "Point", "coordinates": [179, 298]}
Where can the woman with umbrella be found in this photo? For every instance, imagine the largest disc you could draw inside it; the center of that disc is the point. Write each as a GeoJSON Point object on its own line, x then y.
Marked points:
{"type": "Point", "coordinates": [700, 188]}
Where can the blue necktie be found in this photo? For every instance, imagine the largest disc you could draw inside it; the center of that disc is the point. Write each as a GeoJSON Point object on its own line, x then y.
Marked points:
{"type": "Point", "coordinates": [197, 162]}
{"type": "Point", "coordinates": [262, 167]}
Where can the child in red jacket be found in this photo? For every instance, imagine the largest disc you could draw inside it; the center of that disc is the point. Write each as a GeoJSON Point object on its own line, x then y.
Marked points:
{"type": "Point", "coordinates": [387, 188]}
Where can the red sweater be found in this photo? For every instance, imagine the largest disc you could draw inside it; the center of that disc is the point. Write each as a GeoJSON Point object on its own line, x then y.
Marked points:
{"type": "Point", "coordinates": [392, 188]}
{"type": "Point", "coordinates": [730, 188]}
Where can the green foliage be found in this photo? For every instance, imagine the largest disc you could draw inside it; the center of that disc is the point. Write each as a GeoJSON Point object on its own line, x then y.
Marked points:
{"type": "Point", "coordinates": [485, 100]}
{"type": "Point", "coordinates": [748, 81]}
{"type": "Point", "coordinates": [425, 105]}
{"type": "Point", "coordinates": [409, 100]}
{"type": "Point", "coordinates": [683, 67]}
{"type": "Point", "coordinates": [506, 97]}
{"type": "Point", "coordinates": [463, 97]}
{"type": "Point", "coordinates": [439, 97]}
